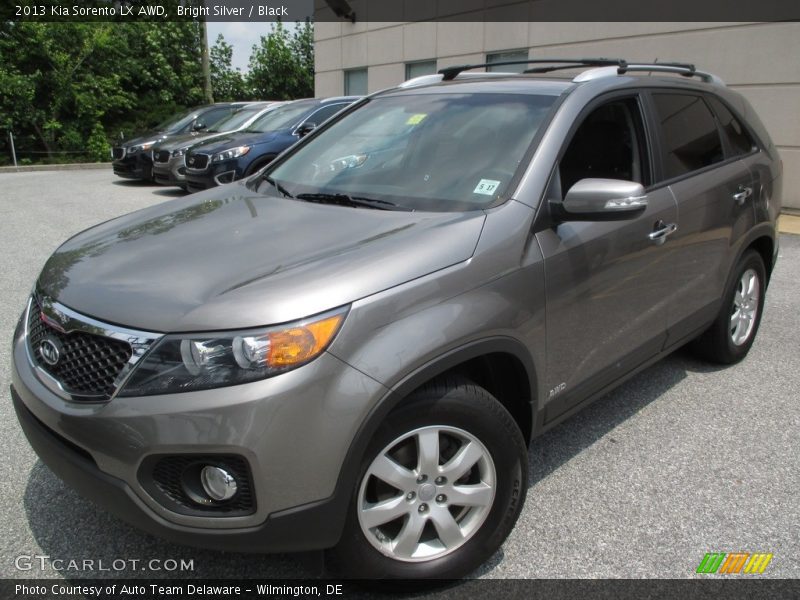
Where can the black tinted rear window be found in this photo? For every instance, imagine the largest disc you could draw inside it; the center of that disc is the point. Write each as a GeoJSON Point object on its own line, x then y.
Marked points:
{"type": "Point", "coordinates": [689, 133]}
{"type": "Point", "coordinates": [739, 140]}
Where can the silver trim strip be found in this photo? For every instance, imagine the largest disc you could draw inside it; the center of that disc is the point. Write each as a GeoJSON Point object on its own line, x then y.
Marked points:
{"type": "Point", "coordinates": [67, 320]}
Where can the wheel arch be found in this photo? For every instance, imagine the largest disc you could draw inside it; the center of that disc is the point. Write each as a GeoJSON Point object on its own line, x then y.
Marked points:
{"type": "Point", "coordinates": [260, 162]}
{"type": "Point", "coordinates": [765, 246]}
{"type": "Point", "coordinates": [491, 357]}
{"type": "Point", "coordinates": [502, 365]}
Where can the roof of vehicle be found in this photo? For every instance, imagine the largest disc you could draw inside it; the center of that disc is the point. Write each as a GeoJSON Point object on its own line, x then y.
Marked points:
{"type": "Point", "coordinates": [612, 72]}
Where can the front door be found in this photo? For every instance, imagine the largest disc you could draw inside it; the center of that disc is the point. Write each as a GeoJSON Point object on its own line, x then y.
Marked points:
{"type": "Point", "coordinates": [608, 284]}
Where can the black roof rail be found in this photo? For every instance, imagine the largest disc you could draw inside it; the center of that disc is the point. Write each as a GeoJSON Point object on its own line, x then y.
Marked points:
{"type": "Point", "coordinates": [683, 69]}
{"type": "Point", "coordinates": [450, 73]}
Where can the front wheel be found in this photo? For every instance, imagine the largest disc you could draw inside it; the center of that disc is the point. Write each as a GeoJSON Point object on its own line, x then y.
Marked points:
{"type": "Point", "coordinates": [441, 487]}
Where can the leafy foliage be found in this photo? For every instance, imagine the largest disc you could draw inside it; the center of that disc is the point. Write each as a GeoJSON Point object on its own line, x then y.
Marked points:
{"type": "Point", "coordinates": [65, 87]}
{"type": "Point", "coordinates": [282, 64]}
{"type": "Point", "coordinates": [228, 83]}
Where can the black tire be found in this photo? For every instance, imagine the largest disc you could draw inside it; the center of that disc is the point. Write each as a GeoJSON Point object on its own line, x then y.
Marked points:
{"type": "Point", "coordinates": [259, 164]}
{"type": "Point", "coordinates": [716, 344]}
{"type": "Point", "coordinates": [456, 403]}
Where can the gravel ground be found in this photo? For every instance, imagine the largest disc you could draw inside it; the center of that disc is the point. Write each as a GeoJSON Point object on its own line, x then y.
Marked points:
{"type": "Point", "coordinates": [682, 460]}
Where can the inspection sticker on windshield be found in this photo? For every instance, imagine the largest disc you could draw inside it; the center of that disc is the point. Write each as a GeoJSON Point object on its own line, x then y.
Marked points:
{"type": "Point", "coordinates": [416, 119]}
{"type": "Point", "coordinates": [486, 186]}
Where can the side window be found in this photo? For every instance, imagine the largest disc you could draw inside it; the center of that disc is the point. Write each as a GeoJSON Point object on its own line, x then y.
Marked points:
{"type": "Point", "coordinates": [323, 114]}
{"type": "Point", "coordinates": [689, 133]}
{"type": "Point", "coordinates": [739, 141]}
{"type": "Point", "coordinates": [608, 144]}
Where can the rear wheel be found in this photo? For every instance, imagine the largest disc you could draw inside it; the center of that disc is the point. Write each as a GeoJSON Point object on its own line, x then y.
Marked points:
{"type": "Point", "coordinates": [730, 337]}
{"type": "Point", "coordinates": [441, 487]}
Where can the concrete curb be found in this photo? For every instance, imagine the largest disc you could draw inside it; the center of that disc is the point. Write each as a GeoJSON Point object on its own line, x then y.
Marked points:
{"type": "Point", "coordinates": [64, 167]}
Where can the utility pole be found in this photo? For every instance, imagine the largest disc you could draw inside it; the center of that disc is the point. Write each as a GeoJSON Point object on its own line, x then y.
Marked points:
{"type": "Point", "coordinates": [205, 64]}
{"type": "Point", "coordinates": [13, 151]}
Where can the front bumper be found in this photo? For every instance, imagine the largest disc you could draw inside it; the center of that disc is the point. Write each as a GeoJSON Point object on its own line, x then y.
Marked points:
{"type": "Point", "coordinates": [172, 172]}
{"type": "Point", "coordinates": [293, 429]}
{"type": "Point", "coordinates": [215, 174]}
{"type": "Point", "coordinates": [137, 166]}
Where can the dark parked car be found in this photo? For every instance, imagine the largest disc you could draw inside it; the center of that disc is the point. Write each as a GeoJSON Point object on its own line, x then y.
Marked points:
{"type": "Point", "coordinates": [231, 157]}
{"type": "Point", "coordinates": [133, 158]}
{"type": "Point", "coordinates": [352, 349]}
{"type": "Point", "coordinates": [169, 156]}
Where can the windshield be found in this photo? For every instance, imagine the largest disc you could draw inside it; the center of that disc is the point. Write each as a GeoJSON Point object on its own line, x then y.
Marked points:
{"type": "Point", "coordinates": [176, 121]}
{"type": "Point", "coordinates": [436, 152]}
{"type": "Point", "coordinates": [236, 120]}
{"type": "Point", "coordinates": [280, 118]}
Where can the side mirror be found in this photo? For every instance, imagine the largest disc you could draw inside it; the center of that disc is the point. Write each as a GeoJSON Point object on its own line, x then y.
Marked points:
{"type": "Point", "coordinates": [305, 129]}
{"type": "Point", "coordinates": [199, 126]}
{"type": "Point", "coordinates": [601, 200]}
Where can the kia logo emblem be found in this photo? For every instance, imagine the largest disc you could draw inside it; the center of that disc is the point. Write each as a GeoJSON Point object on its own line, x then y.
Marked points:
{"type": "Point", "coordinates": [50, 350]}
{"type": "Point", "coordinates": [191, 160]}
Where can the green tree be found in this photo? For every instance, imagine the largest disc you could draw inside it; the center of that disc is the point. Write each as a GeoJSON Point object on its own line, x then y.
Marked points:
{"type": "Point", "coordinates": [280, 68]}
{"type": "Point", "coordinates": [97, 145]}
{"type": "Point", "coordinates": [58, 80]}
{"type": "Point", "coordinates": [228, 83]}
{"type": "Point", "coordinates": [303, 49]}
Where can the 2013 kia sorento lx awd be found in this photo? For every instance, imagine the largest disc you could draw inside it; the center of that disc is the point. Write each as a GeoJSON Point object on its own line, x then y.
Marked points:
{"type": "Point", "coordinates": [350, 349]}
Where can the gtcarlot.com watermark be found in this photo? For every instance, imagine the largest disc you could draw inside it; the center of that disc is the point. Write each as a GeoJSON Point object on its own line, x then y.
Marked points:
{"type": "Point", "coordinates": [44, 562]}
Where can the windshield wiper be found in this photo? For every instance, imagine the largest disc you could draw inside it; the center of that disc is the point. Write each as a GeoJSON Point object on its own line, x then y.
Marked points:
{"type": "Point", "coordinates": [278, 186]}
{"type": "Point", "coordinates": [358, 201]}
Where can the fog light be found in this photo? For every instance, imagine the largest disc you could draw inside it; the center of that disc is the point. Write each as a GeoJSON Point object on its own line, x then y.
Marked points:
{"type": "Point", "coordinates": [218, 483]}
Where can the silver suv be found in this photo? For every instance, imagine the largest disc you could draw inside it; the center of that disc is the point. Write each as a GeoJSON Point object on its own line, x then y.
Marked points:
{"type": "Point", "coordinates": [351, 349]}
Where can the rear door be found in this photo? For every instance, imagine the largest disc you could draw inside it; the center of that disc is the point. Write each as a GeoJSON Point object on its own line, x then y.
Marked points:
{"type": "Point", "coordinates": [607, 283]}
{"type": "Point", "coordinates": [713, 191]}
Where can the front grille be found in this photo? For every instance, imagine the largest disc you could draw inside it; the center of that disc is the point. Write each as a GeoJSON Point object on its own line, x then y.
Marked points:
{"type": "Point", "coordinates": [169, 472]}
{"type": "Point", "coordinates": [161, 156]}
{"type": "Point", "coordinates": [88, 364]}
{"type": "Point", "coordinates": [118, 153]}
{"type": "Point", "coordinates": [197, 161]}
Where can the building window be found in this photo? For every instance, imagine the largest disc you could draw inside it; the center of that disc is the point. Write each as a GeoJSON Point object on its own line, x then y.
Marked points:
{"type": "Point", "coordinates": [355, 82]}
{"type": "Point", "coordinates": [419, 68]}
{"type": "Point", "coordinates": [505, 56]}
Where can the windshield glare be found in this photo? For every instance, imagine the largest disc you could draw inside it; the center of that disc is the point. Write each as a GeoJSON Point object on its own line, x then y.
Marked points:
{"type": "Point", "coordinates": [280, 118]}
{"type": "Point", "coordinates": [175, 121]}
{"type": "Point", "coordinates": [236, 120]}
{"type": "Point", "coordinates": [435, 152]}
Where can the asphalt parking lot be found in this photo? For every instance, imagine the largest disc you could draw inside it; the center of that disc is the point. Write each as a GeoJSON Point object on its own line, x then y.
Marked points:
{"type": "Point", "coordinates": [682, 460]}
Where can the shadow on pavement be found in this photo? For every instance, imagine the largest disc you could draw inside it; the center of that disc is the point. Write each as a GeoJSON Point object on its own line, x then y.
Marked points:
{"type": "Point", "coordinates": [68, 527]}
{"type": "Point", "coordinates": [171, 192]}
{"type": "Point", "coordinates": [134, 183]}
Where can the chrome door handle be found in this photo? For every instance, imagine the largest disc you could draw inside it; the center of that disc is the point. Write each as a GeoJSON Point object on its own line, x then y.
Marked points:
{"type": "Point", "coordinates": [743, 194]}
{"type": "Point", "coordinates": [659, 236]}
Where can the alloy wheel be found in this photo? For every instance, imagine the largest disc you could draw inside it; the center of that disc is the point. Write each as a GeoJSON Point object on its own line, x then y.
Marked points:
{"type": "Point", "coordinates": [745, 307]}
{"type": "Point", "coordinates": [426, 493]}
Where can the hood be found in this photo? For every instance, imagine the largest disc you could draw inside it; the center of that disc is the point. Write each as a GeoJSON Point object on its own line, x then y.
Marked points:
{"type": "Point", "coordinates": [147, 136]}
{"type": "Point", "coordinates": [173, 142]}
{"type": "Point", "coordinates": [232, 140]}
{"type": "Point", "coordinates": [230, 258]}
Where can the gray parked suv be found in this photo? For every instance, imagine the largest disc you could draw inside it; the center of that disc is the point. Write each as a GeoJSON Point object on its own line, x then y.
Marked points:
{"type": "Point", "coordinates": [351, 349]}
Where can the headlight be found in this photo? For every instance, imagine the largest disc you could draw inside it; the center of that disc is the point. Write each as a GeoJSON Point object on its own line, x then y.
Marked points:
{"type": "Point", "coordinates": [232, 153]}
{"type": "Point", "coordinates": [141, 147]}
{"type": "Point", "coordinates": [179, 151]}
{"type": "Point", "coordinates": [187, 362]}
